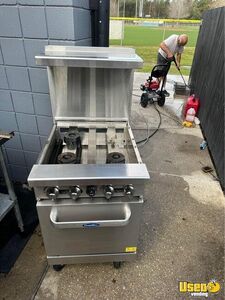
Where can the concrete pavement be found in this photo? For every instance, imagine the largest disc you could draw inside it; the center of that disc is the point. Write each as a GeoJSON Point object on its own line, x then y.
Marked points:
{"type": "Point", "coordinates": [182, 232]}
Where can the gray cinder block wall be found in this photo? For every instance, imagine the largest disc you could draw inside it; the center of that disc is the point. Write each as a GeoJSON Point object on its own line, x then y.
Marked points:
{"type": "Point", "coordinates": [26, 26]}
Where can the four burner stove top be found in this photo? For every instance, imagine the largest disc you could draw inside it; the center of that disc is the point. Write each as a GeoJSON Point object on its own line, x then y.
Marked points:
{"type": "Point", "coordinates": [89, 179]}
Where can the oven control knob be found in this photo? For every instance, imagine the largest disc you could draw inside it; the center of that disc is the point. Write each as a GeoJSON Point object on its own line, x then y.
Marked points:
{"type": "Point", "coordinates": [108, 191]}
{"type": "Point", "coordinates": [129, 189]}
{"type": "Point", "coordinates": [53, 192]}
{"type": "Point", "coordinates": [75, 192]}
{"type": "Point", "coordinates": [91, 190]}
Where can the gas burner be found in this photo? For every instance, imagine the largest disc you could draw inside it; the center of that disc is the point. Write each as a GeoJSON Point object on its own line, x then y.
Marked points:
{"type": "Point", "coordinates": [115, 158]}
{"type": "Point", "coordinates": [87, 200]}
{"type": "Point", "coordinates": [67, 158]}
{"type": "Point", "coordinates": [71, 138]}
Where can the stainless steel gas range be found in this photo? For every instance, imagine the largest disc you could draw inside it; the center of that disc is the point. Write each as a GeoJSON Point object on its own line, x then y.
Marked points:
{"type": "Point", "coordinates": [89, 179]}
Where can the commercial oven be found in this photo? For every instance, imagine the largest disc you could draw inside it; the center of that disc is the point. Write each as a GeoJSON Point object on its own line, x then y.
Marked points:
{"type": "Point", "coordinates": [89, 178]}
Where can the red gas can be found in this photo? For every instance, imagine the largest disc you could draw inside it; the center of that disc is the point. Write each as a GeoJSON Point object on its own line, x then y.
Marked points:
{"type": "Point", "coordinates": [192, 102]}
{"type": "Point", "coordinates": [154, 85]}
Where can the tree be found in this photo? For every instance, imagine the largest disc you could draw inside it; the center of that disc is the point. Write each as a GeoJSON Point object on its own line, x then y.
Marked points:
{"type": "Point", "coordinates": [154, 8]}
{"type": "Point", "coordinates": [157, 8]}
{"type": "Point", "coordinates": [199, 6]}
{"type": "Point", "coordinates": [113, 8]}
{"type": "Point", "coordinates": [130, 8]}
{"type": "Point", "coordinates": [180, 9]}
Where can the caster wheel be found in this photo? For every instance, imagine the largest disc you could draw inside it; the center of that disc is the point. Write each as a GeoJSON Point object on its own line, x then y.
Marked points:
{"type": "Point", "coordinates": [142, 87]}
{"type": "Point", "coordinates": [161, 100]}
{"type": "Point", "coordinates": [117, 264]}
{"type": "Point", "coordinates": [58, 268]}
{"type": "Point", "coordinates": [144, 100]}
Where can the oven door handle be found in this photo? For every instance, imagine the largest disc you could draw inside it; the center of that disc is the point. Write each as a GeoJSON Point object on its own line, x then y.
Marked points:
{"type": "Point", "coordinates": [54, 218]}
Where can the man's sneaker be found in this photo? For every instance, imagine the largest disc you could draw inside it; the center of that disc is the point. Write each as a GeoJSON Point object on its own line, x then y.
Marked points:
{"type": "Point", "coordinates": [166, 93]}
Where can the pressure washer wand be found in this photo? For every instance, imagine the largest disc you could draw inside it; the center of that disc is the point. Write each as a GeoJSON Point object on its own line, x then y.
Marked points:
{"type": "Point", "coordinates": [174, 59]}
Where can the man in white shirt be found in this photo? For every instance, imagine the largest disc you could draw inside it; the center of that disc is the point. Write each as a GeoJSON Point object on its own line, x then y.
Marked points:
{"type": "Point", "coordinates": [173, 45]}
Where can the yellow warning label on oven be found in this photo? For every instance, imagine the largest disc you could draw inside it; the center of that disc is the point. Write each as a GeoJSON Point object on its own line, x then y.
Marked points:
{"type": "Point", "coordinates": [130, 249]}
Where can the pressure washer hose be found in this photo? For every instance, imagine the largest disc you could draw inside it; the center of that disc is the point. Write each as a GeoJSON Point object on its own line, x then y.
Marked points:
{"type": "Point", "coordinates": [174, 60]}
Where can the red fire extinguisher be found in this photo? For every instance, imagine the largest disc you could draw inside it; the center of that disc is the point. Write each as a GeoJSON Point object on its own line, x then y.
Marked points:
{"type": "Point", "coordinates": [192, 102]}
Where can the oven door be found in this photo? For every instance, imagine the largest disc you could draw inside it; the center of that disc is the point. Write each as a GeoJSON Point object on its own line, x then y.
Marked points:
{"type": "Point", "coordinates": [71, 228]}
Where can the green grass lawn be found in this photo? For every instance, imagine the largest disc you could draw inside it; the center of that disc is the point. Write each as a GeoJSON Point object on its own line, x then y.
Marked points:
{"type": "Point", "coordinates": [146, 41]}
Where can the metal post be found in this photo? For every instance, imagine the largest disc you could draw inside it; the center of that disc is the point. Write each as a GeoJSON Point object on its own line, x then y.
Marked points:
{"type": "Point", "coordinates": [103, 23]}
{"type": "Point", "coordinates": [94, 21]}
{"type": "Point", "coordinates": [164, 30]}
{"type": "Point", "coordinates": [100, 22]}
{"type": "Point", "coordinates": [11, 192]}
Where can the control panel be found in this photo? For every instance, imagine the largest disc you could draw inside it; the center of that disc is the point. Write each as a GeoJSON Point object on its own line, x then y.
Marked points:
{"type": "Point", "coordinates": [76, 192]}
